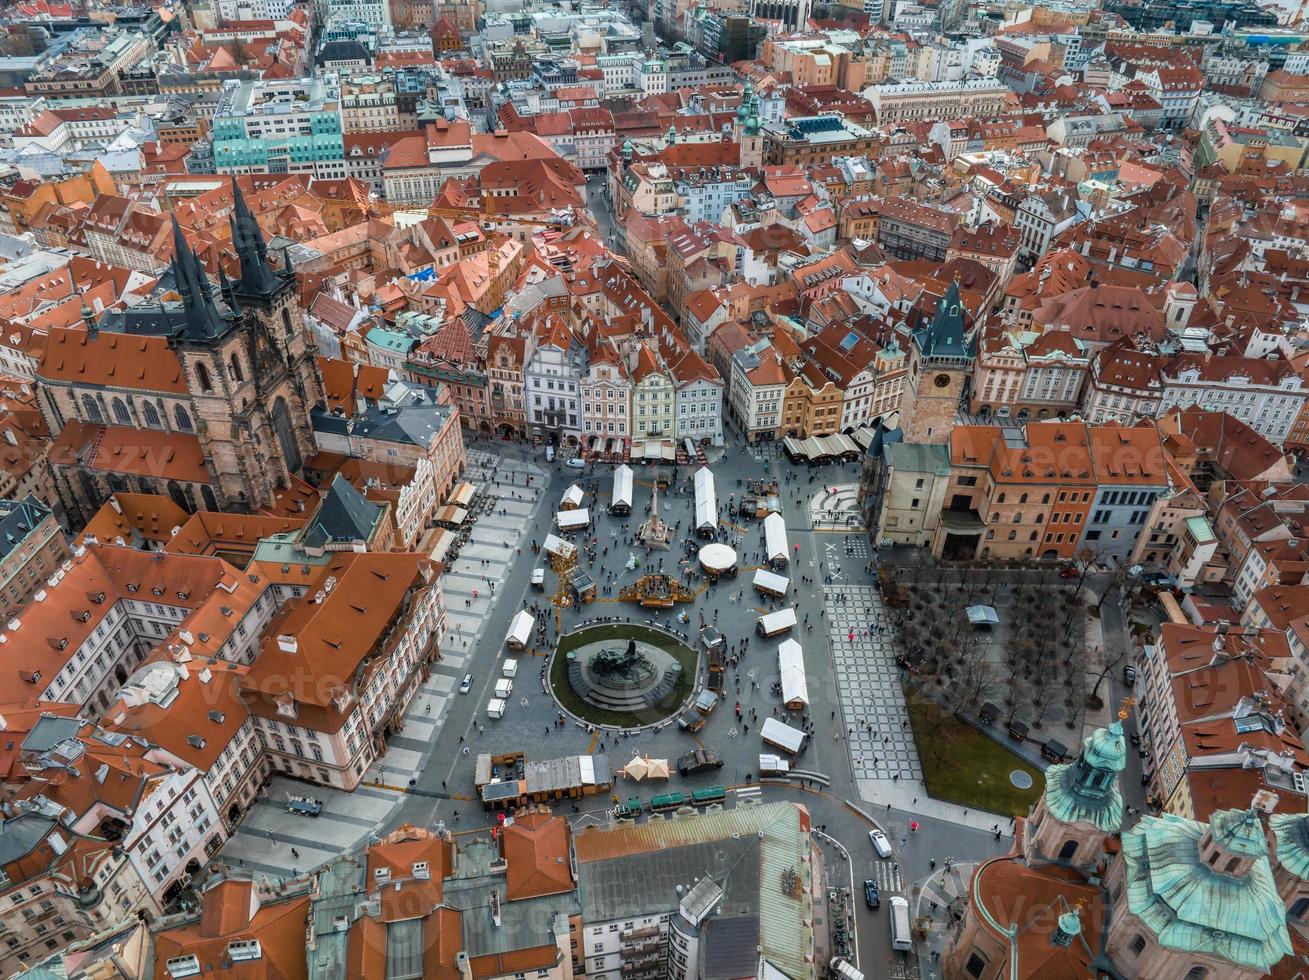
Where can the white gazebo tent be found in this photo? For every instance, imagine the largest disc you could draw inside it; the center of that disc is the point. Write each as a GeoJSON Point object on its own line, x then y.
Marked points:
{"type": "Point", "coordinates": [520, 630]}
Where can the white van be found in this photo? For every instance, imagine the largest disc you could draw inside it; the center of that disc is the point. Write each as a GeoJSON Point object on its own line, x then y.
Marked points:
{"type": "Point", "coordinates": [843, 969]}
{"type": "Point", "coordinates": [509, 668]}
{"type": "Point", "coordinates": [495, 708]}
{"type": "Point", "coordinates": [901, 939]}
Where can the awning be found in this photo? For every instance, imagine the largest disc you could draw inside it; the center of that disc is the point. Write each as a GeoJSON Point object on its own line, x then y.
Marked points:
{"type": "Point", "coordinates": [462, 495]}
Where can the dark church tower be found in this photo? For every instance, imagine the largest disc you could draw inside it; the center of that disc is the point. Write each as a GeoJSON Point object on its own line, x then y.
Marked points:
{"type": "Point", "coordinates": [250, 363]}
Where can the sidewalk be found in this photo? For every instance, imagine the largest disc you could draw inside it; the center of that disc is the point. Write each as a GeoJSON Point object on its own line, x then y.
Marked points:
{"type": "Point", "coordinates": [902, 793]}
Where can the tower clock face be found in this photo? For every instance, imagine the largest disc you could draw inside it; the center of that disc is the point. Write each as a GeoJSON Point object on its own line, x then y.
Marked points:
{"type": "Point", "coordinates": [942, 381]}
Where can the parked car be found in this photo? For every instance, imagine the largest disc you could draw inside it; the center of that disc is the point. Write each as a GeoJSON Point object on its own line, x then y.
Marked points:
{"type": "Point", "coordinates": [576, 463]}
{"type": "Point", "coordinates": [1069, 571]}
{"type": "Point", "coordinates": [466, 684]}
{"type": "Point", "coordinates": [1129, 675]}
{"type": "Point", "coordinates": [871, 896]}
{"type": "Point", "coordinates": [880, 844]}
{"type": "Point", "coordinates": [698, 760]}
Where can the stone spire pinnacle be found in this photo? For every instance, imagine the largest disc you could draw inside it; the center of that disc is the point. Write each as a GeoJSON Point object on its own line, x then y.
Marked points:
{"type": "Point", "coordinates": [257, 277]}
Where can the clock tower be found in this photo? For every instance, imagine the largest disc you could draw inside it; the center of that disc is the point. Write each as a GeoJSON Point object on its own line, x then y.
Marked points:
{"type": "Point", "coordinates": [940, 359]}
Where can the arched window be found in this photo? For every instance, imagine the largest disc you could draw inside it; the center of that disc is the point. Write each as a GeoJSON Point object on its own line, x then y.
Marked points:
{"type": "Point", "coordinates": [207, 494]}
{"type": "Point", "coordinates": [1045, 499]}
{"type": "Point", "coordinates": [1018, 517]}
{"type": "Point", "coordinates": [202, 375]}
{"type": "Point", "coordinates": [234, 370]}
{"type": "Point", "coordinates": [121, 415]}
{"type": "Point", "coordinates": [182, 418]}
{"type": "Point", "coordinates": [151, 415]}
{"type": "Point", "coordinates": [1013, 535]}
{"type": "Point", "coordinates": [990, 535]}
{"type": "Point", "coordinates": [1232, 865]}
{"type": "Point", "coordinates": [91, 409]}
{"type": "Point", "coordinates": [995, 518]}
{"type": "Point", "coordinates": [1068, 850]}
{"type": "Point", "coordinates": [1040, 518]}
{"type": "Point", "coordinates": [287, 327]}
{"type": "Point", "coordinates": [1023, 499]}
{"type": "Point", "coordinates": [1197, 973]}
{"type": "Point", "coordinates": [1299, 907]}
{"type": "Point", "coordinates": [1000, 499]}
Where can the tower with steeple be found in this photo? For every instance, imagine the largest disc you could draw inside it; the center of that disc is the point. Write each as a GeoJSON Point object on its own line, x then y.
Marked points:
{"type": "Point", "coordinates": [747, 129]}
{"type": "Point", "coordinates": [1082, 805]}
{"type": "Point", "coordinates": [940, 359]}
{"type": "Point", "coordinates": [249, 363]}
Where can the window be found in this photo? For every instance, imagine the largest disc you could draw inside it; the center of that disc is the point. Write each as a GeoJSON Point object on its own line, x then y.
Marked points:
{"type": "Point", "coordinates": [182, 418]}
{"type": "Point", "coordinates": [975, 965]}
{"type": "Point", "coordinates": [121, 415]}
{"type": "Point", "coordinates": [151, 415]}
{"type": "Point", "coordinates": [91, 410]}
{"type": "Point", "coordinates": [234, 370]}
{"type": "Point", "coordinates": [202, 376]}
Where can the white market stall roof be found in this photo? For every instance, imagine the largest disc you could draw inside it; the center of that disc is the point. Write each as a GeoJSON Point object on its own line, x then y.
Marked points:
{"type": "Point", "coordinates": [706, 501]}
{"type": "Point", "coordinates": [520, 628]}
{"type": "Point", "coordinates": [717, 557]}
{"type": "Point", "coordinates": [559, 547]}
{"type": "Point", "coordinates": [775, 537]}
{"type": "Point", "coordinates": [790, 669]}
{"type": "Point", "coordinates": [782, 735]}
{"type": "Point", "coordinates": [623, 487]}
{"type": "Point", "coordinates": [780, 620]}
{"type": "Point", "coordinates": [572, 498]}
{"type": "Point", "coordinates": [771, 581]}
{"type": "Point", "coordinates": [573, 520]}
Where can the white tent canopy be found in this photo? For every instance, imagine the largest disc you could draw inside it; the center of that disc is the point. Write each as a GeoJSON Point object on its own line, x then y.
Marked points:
{"type": "Point", "coordinates": [782, 736]}
{"type": "Point", "coordinates": [790, 668]}
{"type": "Point", "coordinates": [771, 583]}
{"type": "Point", "coordinates": [573, 520]}
{"type": "Point", "coordinates": [717, 557]}
{"type": "Point", "coordinates": [657, 769]}
{"type": "Point", "coordinates": [775, 537]}
{"type": "Point", "coordinates": [622, 499]}
{"type": "Point", "coordinates": [777, 622]}
{"type": "Point", "coordinates": [637, 769]}
{"type": "Point", "coordinates": [558, 546]}
{"type": "Point", "coordinates": [706, 501]}
{"type": "Point", "coordinates": [572, 498]}
{"type": "Point", "coordinates": [520, 630]}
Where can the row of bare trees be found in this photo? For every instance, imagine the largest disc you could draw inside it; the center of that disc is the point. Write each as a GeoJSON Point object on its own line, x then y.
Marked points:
{"type": "Point", "coordinates": [1042, 664]}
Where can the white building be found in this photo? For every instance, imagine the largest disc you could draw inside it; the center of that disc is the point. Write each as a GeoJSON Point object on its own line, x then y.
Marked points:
{"type": "Point", "coordinates": [1265, 395]}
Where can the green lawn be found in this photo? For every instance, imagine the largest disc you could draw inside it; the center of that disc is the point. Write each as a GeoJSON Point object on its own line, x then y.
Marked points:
{"type": "Point", "coordinates": [683, 654]}
{"type": "Point", "coordinates": [962, 765]}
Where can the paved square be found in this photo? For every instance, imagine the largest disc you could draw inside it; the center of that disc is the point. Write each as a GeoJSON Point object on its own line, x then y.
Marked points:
{"type": "Point", "coordinates": [872, 704]}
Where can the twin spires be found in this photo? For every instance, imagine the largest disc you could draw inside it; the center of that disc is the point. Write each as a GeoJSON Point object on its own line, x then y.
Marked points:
{"type": "Point", "coordinates": [257, 277]}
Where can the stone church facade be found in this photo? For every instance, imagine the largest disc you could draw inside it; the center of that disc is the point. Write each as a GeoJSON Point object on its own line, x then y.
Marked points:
{"type": "Point", "coordinates": [203, 394]}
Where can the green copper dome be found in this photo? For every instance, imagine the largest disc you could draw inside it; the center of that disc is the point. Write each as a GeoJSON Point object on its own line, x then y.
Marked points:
{"type": "Point", "coordinates": [1197, 909]}
{"type": "Point", "coordinates": [1291, 831]}
{"type": "Point", "coordinates": [1106, 748]}
{"type": "Point", "coordinates": [1239, 831]}
{"type": "Point", "coordinates": [1086, 791]}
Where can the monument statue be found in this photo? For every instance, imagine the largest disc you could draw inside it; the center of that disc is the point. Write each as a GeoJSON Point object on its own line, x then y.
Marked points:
{"type": "Point", "coordinates": [629, 664]}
